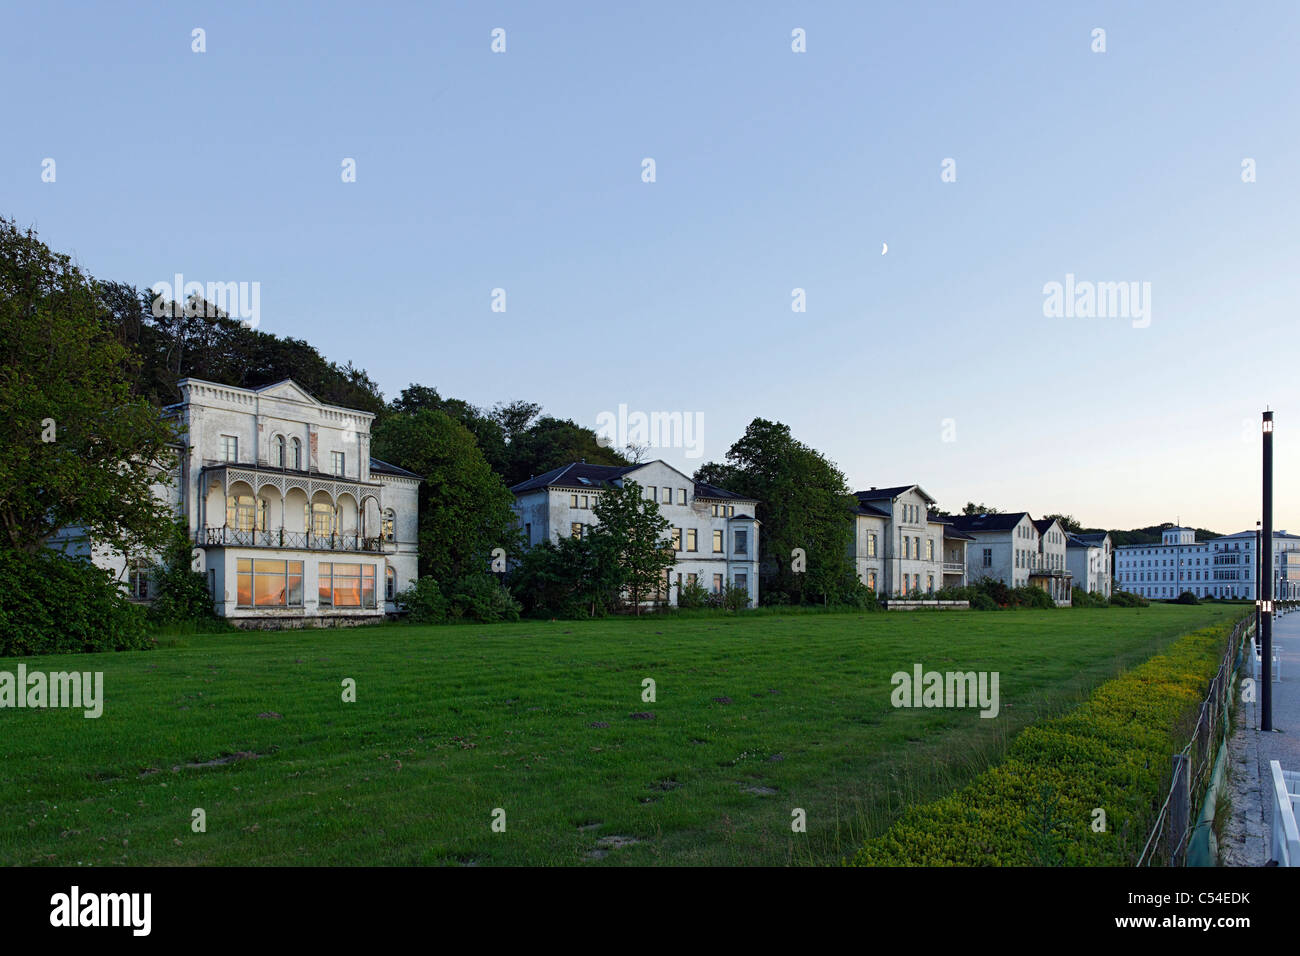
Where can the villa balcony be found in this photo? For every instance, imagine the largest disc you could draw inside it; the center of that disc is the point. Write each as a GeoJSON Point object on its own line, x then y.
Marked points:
{"type": "Point", "coordinates": [954, 567]}
{"type": "Point", "coordinates": [288, 540]}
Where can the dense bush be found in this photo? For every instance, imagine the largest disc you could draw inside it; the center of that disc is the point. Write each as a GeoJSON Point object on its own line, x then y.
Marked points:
{"type": "Point", "coordinates": [1187, 597]}
{"type": "Point", "coordinates": [1081, 598]}
{"type": "Point", "coordinates": [1036, 808]}
{"type": "Point", "coordinates": [51, 604]}
{"type": "Point", "coordinates": [482, 598]}
{"type": "Point", "coordinates": [990, 594]}
{"type": "Point", "coordinates": [694, 595]}
{"type": "Point", "coordinates": [1128, 599]}
{"type": "Point", "coordinates": [474, 597]}
{"type": "Point", "coordinates": [424, 602]}
{"type": "Point", "coordinates": [180, 593]}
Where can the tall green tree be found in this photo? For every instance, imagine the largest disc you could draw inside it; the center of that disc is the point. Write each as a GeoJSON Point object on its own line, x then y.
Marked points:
{"type": "Point", "coordinates": [803, 503]}
{"type": "Point", "coordinates": [79, 447]}
{"type": "Point", "coordinates": [551, 442]}
{"type": "Point", "coordinates": [631, 533]}
{"type": "Point", "coordinates": [465, 509]}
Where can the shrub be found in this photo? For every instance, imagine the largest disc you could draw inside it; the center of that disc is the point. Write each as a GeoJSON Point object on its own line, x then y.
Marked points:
{"type": "Point", "coordinates": [734, 598]}
{"type": "Point", "coordinates": [180, 593]}
{"type": "Point", "coordinates": [52, 604]}
{"type": "Point", "coordinates": [481, 597]}
{"type": "Point", "coordinates": [1187, 597]}
{"type": "Point", "coordinates": [692, 595]}
{"type": "Point", "coordinates": [1081, 598]}
{"type": "Point", "coordinates": [424, 602]}
{"type": "Point", "coordinates": [1128, 599]}
{"type": "Point", "coordinates": [1036, 807]}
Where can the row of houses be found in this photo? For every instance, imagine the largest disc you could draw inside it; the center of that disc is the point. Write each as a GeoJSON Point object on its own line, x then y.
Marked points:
{"type": "Point", "coordinates": [900, 545]}
{"type": "Point", "coordinates": [294, 520]}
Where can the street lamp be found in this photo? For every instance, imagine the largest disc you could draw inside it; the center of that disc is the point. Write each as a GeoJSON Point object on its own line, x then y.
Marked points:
{"type": "Point", "coordinates": [1266, 582]}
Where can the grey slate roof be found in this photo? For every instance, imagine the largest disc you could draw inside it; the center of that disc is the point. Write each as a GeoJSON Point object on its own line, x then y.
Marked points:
{"type": "Point", "coordinates": [974, 524]}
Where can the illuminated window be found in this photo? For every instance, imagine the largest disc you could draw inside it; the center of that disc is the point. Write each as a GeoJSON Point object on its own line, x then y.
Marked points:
{"type": "Point", "coordinates": [388, 524]}
{"type": "Point", "coordinates": [268, 583]}
{"type": "Point", "coordinates": [691, 536]}
{"type": "Point", "coordinates": [717, 542]}
{"type": "Point", "coordinates": [346, 585]}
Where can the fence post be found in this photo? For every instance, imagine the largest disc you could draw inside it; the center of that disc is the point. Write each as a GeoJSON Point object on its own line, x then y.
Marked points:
{"type": "Point", "coordinates": [1179, 811]}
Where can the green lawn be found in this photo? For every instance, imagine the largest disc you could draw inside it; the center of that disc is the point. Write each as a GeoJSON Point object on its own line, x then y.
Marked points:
{"type": "Point", "coordinates": [453, 722]}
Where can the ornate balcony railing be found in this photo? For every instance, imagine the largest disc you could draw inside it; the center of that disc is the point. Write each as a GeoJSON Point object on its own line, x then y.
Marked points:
{"type": "Point", "coordinates": [293, 540]}
{"type": "Point", "coordinates": [954, 567]}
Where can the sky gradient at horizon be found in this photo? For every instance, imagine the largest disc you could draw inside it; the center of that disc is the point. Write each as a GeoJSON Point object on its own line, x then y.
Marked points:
{"type": "Point", "coordinates": [775, 170]}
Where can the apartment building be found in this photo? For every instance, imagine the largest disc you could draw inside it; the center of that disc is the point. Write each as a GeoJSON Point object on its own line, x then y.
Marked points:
{"type": "Point", "coordinates": [1223, 567]}
{"type": "Point", "coordinates": [713, 532]}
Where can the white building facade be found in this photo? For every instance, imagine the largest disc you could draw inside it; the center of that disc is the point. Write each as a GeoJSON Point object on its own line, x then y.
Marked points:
{"type": "Point", "coordinates": [293, 522]}
{"type": "Point", "coordinates": [1224, 567]}
{"type": "Point", "coordinates": [713, 532]}
{"type": "Point", "coordinates": [1014, 549]}
{"type": "Point", "coordinates": [1090, 560]}
{"type": "Point", "coordinates": [900, 547]}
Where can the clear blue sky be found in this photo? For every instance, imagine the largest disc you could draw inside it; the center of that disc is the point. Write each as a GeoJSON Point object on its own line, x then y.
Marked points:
{"type": "Point", "coordinates": [775, 170]}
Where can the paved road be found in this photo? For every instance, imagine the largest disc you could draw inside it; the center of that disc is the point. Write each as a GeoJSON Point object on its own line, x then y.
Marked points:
{"type": "Point", "coordinates": [1247, 837]}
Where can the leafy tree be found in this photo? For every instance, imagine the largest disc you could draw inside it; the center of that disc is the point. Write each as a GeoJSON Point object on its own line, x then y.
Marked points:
{"type": "Point", "coordinates": [1068, 522]}
{"type": "Point", "coordinates": [631, 530]}
{"type": "Point", "coordinates": [180, 592]}
{"type": "Point", "coordinates": [465, 510]}
{"type": "Point", "coordinates": [551, 442]}
{"type": "Point", "coordinates": [573, 577]}
{"type": "Point", "coordinates": [971, 508]}
{"type": "Point", "coordinates": [803, 502]}
{"type": "Point", "coordinates": [80, 448]}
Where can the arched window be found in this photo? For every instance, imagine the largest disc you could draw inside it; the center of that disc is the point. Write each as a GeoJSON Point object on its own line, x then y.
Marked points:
{"type": "Point", "coordinates": [280, 460]}
{"type": "Point", "coordinates": [239, 512]}
{"type": "Point", "coordinates": [319, 518]}
{"type": "Point", "coordinates": [390, 585]}
{"type": "Point", "coordinates": [297, 455]}
{"type": "Point", "coordinates": [388, 525]}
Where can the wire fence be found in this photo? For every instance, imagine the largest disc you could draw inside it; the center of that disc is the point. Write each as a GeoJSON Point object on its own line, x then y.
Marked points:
{"type": "Point", "coordinates": [1193, 766]}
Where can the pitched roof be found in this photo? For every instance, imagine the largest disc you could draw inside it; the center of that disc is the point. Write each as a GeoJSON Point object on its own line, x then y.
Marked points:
{"type": "Point", "coordinates": [1042, 524]}
{"type": "Point", "coordinates": [975, 524]}
{"type": "Point", "coordinates": [384, 468]}
{"type": "Point", "coordinates": [582, 475]}
{"type": "Point", "coordinates": [1092, 537]}
{"type": "Point", "coordinates": [888, 494]}
{"type": "Point", "coordinates": [576, 474]}
{"type": "Point", "coordinates": [950, 532]}
{"type": "Point", "coordinates": [866, 508]}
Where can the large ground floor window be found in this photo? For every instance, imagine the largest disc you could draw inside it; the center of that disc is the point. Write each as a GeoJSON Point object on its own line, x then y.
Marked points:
{"type": "Point", "coordinates": [346, 585]}
{"type": "Point", "coordinates": [265, 582]}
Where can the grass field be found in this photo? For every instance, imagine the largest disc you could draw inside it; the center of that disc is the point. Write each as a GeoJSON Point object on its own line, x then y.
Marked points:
{"type": "Point", "coordinates": [755, 715]}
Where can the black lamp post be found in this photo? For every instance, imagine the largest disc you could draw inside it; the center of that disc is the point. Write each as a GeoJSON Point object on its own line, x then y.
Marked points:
{"type": "Point", "coordinates": [1266, 584]}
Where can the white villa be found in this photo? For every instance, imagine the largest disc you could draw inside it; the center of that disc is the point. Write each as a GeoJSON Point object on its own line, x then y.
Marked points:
{"type": "Point", "coordinates": [1089, 558]}
{"type": "Point", "coordinates": [1016, 550]}
{"type": "Point", "coordinates": [293, 521]}
{"type": "Point", "coordinates": [900, 547]}
{"type": "Point", "coordinates": [1222, 567]}
{"type": "Point", "coordinates": [714, 532]}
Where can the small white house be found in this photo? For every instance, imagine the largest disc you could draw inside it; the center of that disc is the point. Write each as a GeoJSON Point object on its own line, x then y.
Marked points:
{"type": "Point", "coordinates": [713, 532]}
{"type": "Point", "coordinates": [1088, 557]}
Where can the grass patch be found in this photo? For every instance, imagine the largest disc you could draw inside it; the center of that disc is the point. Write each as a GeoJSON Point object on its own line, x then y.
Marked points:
{"type": "Point", "coordinates": [754, 716]}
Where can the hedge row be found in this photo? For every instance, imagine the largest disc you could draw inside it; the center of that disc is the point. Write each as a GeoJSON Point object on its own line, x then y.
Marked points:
{"type": "Point", "coordinates": [1037, 808]}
